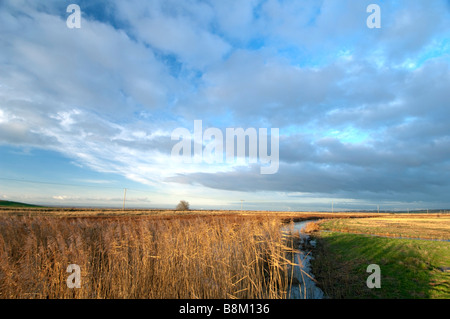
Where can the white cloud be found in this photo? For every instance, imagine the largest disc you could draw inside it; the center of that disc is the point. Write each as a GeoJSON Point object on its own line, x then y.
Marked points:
{"type": "Point", "coordinates": [109, 94]}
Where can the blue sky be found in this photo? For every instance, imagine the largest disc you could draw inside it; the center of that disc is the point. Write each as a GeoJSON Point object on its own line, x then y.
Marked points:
{"type": "Point", "coordinates": [362, 113]}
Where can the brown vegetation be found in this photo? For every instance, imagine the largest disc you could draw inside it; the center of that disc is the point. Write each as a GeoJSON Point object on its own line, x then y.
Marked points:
{"type": "Point", "coordinates": [409, 226]}
{"type": "Point", "coordinates": [143, 257]}
{"type": "Point", "coordinates": [311, 227]}
{"type": "Point", "coordinates": [109, 212]}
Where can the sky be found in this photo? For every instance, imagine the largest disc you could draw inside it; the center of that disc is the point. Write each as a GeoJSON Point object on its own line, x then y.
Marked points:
{"type": "Point", "coordinates": [87, 114]}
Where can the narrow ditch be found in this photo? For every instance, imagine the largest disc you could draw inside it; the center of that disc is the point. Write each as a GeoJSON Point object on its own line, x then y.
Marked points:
{"type": "Point", "coordinates": [303, 285]}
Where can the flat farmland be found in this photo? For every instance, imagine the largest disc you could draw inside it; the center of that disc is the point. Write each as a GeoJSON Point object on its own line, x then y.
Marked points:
{"type": "Point", "coordinates": [206, 254]}
{"type": "Point", "coordinates": [409, 226]}
{"type": "Point", "coordinates": [170, 213]}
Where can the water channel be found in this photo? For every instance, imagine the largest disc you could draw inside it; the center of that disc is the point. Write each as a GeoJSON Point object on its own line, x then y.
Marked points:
{"type": "Point", "coordinates": [304, 287]}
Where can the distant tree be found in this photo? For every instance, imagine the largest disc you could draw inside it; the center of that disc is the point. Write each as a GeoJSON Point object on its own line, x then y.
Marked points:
{"type": "Point", "coordinates": [183, 205]}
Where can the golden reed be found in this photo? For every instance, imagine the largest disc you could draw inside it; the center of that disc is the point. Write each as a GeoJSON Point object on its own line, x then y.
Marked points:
{"type": "Point", "coordinates": [196, 257]}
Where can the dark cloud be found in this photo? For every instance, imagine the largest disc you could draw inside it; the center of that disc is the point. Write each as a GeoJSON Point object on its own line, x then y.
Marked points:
{"type": "Point", "coordinates": [345, 181]}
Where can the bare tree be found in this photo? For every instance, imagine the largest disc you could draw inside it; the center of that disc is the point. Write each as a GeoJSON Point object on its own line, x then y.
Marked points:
{"type": "Point", "coordinates": [182, 205]}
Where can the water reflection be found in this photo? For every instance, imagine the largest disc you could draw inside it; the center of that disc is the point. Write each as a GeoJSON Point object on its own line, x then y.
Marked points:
{"type": "Point", "coordinates": [304, 286]}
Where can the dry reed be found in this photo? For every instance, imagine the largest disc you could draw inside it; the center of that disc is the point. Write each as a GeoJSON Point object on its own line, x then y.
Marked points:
{"type": "Point", "coordinates": [202, 257]}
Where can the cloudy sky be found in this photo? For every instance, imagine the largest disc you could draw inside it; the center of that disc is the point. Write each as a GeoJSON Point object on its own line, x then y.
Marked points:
{"type": "Point", "coordinates": [363, 114]}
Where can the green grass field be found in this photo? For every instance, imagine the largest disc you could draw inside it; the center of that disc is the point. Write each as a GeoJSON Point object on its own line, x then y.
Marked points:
{"type": "Point", "coordinates": [7, 203]}
{"type": "Point", "coordinates": [409, 268]}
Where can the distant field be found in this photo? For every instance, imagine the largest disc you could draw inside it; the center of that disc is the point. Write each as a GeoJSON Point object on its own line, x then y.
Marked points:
{"type": "Point", "coordinates": [7, 203]}
{"type": "Point", "coordinates": [105, 212]}
{"type": "Point", "coordinates": [410, 226]}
